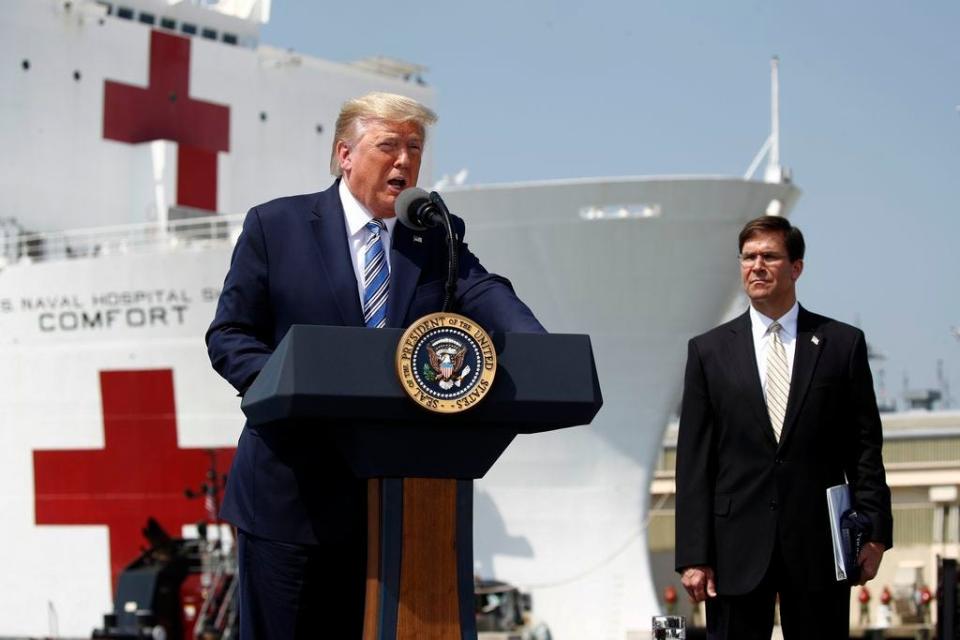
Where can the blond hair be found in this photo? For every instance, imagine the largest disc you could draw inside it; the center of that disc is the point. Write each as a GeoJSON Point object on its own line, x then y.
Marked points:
{"type": "Point", "coordinates": [385, 107]}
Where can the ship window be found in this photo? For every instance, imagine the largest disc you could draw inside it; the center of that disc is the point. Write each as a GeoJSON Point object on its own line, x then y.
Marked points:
{"type": "Point", "coordinates": [209, 34]}
{"type": "Point", "coordinates": [107, 6]}
{"type": "Point", "coordinates": [188, 28]}
{"type": "Point", "coordinates": [125, 12]}
{"type": "Point", "coordinates": [168, 23]}
{"type": "Point", "coordinates": [230, 38]}
{"type": "Point", "coordinates": [147, 18]}
{"type": "Point", "coordinates": [621, 211]}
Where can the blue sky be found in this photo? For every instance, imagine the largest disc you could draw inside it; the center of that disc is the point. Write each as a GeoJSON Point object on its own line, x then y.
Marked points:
{"type": "Point", "coordinates": [869, 123]}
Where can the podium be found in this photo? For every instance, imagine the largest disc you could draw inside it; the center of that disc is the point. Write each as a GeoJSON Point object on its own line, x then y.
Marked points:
{"type": "Point", "coordinates": [420, 465]}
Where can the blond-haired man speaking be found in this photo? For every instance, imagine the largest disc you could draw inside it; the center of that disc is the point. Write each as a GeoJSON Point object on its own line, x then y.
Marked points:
{"type": "Point", "coordinates": [336, 257]}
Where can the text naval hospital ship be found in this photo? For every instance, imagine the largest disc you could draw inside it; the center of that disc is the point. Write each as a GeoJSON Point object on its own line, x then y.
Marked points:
{"type": "Point", "coordinates": [132, 121]}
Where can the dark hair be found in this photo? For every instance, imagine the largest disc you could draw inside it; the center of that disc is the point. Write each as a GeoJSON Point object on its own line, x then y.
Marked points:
{"type": "Point", "coordinates": [792, 237]}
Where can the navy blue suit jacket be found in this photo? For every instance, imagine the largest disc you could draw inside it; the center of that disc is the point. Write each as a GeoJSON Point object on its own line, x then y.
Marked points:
{"type": "Point", "coordinates": [292, 265]}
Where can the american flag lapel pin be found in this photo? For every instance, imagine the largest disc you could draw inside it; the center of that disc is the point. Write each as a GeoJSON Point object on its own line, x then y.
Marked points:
{"type": "Point", "coordinates": [815, 340]}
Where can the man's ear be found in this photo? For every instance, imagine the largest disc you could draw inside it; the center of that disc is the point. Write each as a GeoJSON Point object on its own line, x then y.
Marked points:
{"type": "Point", "coordinates": [343, 155]}
{"type": "Point", "coordinates": [797, 268]}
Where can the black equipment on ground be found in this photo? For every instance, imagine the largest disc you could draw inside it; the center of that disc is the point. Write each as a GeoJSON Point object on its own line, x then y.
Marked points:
{"type": "Point", "coordinates": [148, 591]}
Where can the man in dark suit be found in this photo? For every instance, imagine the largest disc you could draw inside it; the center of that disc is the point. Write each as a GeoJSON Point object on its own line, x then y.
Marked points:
{"type": "Point", "coordinates": [332, 258]}
{"type": "Point", "coordinates": [778, 405]}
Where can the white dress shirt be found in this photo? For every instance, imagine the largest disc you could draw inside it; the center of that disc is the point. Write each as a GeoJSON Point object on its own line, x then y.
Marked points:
{"type": "Point", "coordinates": [760, 324]}
{"type": "Point", "coordinates": [356, 217]}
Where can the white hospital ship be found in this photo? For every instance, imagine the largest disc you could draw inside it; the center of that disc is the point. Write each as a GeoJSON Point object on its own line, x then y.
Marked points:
{"type": "Point", "coordinates": [135, 133]}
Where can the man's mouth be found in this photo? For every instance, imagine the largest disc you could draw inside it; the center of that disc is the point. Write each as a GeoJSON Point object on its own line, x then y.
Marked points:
{"type": "Point", "coordinates": [398, 183]}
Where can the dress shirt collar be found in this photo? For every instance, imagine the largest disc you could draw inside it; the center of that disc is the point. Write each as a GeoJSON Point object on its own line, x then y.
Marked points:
{"type": "Point", "coordinates": [788, 323]}
{"type": "Point", "coordinates": [356, 215]}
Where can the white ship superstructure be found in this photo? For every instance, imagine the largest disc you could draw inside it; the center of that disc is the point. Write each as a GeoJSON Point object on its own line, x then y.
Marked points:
{"type": "Point", "coordinates": [131, 131]}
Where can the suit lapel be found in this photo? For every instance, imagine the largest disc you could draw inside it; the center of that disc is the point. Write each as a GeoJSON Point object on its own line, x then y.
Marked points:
{"type": "Point", "coordinates": [745, 359]}
{"type": "Point", "coordinates": [806, 354]}
{"type": "Point", "coordinates": [330, 232]}
{"type": "Point", "coordinates": [406, 260]}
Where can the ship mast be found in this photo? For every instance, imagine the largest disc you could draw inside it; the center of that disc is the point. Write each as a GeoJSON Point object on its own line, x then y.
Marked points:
{"type": "Point", "coordinates": [775, 172]}
{"type": "Point", "coordinates": [773, 158]}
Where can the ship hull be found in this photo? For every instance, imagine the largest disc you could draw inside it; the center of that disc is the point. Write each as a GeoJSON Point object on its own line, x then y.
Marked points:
{"type": "Point", "coordinates": [562, 514]}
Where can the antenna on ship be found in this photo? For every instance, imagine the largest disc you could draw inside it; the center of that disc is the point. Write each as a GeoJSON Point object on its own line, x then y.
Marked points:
{"type": "Point", "coordinates": [775, 172]}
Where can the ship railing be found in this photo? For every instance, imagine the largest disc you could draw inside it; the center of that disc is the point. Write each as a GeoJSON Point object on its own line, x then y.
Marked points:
{"type": "Point", "coordinates": [18, 246]}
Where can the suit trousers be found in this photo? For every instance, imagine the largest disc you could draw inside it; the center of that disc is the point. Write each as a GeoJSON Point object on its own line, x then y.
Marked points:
{"type": "Point", "coordinates": [805, 613]}
{"type": "Point", "coordinates": [296, 591]}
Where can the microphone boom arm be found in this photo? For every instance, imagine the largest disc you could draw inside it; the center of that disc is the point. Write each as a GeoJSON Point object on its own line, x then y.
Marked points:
{"type": "Point", "coordinates": [450, 287]}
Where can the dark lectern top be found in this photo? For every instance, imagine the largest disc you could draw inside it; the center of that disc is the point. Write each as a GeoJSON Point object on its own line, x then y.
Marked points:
{"type": "Point", "coordinates": [344, 379]}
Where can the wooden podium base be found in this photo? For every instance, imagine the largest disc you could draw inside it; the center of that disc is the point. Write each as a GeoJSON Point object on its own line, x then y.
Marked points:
{"type": "Point", "coordinates": [419, 560]}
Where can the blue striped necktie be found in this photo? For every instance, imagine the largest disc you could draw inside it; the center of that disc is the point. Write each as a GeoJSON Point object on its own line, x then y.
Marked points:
{"type": "Point", "coordinates": [376, 277]}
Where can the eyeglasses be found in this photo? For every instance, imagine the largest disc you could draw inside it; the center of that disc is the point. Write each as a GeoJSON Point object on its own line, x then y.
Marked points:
{"type": "Point", "coordinates": [748, 259]}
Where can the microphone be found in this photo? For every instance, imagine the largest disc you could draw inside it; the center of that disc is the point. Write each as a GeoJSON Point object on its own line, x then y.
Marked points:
{"type": "Point", "coordinates": [417, 209]}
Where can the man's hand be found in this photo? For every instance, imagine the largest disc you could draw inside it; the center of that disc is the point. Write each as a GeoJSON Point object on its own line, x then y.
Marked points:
{"type": "Point", "coordinates": [699, 583]}
{"type": "Point", "coordinates": [869, 560]}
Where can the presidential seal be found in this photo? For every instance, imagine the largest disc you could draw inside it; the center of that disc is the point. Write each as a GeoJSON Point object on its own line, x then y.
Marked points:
{"type": "Point", "coordinates": [446, 362]}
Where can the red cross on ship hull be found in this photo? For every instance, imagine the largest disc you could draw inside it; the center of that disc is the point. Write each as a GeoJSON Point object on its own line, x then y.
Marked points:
{"type": "Point", "coordinates": [164, 110]}
{"type": "Point", "coordinates": [140, 472]}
